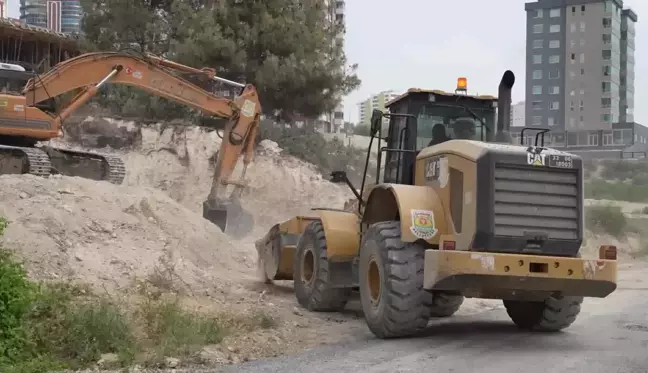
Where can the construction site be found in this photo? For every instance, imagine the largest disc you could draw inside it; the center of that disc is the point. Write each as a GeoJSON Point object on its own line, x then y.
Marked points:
{"type": "Point", "coordinates": [287, 257]}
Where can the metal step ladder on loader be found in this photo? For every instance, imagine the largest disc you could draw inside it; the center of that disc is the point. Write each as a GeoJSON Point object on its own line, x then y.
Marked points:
{"type": "Point", "coordinates": [459, 212]}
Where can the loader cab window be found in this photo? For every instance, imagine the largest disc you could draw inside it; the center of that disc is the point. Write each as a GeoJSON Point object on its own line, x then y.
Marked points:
{"type": "Point", "coordinates": [458, 124]}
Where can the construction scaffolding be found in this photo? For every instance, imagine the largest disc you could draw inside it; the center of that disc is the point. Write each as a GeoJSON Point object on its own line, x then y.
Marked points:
{"type": "Point", "coordinates": [36, 49]}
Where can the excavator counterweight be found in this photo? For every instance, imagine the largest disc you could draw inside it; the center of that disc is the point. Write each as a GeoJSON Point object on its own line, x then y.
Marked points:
{"type": "Point", "coordinates": [87, 73]}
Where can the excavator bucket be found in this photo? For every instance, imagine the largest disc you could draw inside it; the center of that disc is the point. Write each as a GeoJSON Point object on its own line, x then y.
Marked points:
{"type": "Point", "coordinates": [230, 217]}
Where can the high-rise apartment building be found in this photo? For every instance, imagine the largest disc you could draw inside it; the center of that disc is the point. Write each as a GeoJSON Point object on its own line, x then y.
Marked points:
{"type": "Point", "coordinates": [518, 115]}
{"type": "Point", "coordinates": [57, 15]}
{"type": "Point", "coordinates": [580, 64]}
{"type": "Point", "coordinates": [376, 101]}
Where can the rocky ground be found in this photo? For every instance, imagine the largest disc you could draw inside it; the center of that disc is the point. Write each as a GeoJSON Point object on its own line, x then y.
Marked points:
{"type": "Point", "coordinates": [150, 231]}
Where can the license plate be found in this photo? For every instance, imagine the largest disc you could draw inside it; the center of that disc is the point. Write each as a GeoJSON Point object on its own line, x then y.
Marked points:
{"type": "Point", "coordinates": [561, 161]}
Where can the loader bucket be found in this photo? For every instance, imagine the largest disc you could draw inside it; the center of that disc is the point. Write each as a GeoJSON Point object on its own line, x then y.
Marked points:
{"type": "Point", "coordinates": [230, 217]}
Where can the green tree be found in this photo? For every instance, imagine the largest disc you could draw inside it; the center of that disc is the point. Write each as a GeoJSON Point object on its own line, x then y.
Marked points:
{"type": "Point", "coordinates": [361, 130]}
{"type": "Point", "coordinates": [284, 47]}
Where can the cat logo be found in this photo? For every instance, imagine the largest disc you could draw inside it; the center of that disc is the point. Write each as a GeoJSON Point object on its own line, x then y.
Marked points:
{"type": "Point", "coordinates": [535, 159]}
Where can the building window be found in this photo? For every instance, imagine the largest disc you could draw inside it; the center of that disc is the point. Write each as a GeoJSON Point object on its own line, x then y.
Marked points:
{"type": "Point", "coordinates": [607, 39]}
{"type": "Point", "coordinates": [606, 102]}
{"type": "Point", "coordinates": [607, 70]}
{"type": "Point", "coordinates": [572, 27]}
{"type": "Point", "coordinates": [582, 26]}
{"type": "Point", "coordinates": [592, 139]}
{"type": "Point", "coordinates": [537, 120]}
{"type": "Point", "coordinates": [537, 89]}
{"type": "Point", "coordinates": [582, 105]}
{"type": "Point", "coordinates": [537, 59]}
{"type": "Point", "coordinates": [555, 105]}
{"type": "Point", "coordinates": [607, 54]}
{"type": "Point", "coordinates": [554, 13]}
{"type": "Point", "coordinates": [572, 122]}
{"type": "Point", "coordinates": [573, 57]}
{"type": "Point", "coordinates": [554, 28]}
{"type": "Point", "coordinates": [537, 44]}
{"type": "Point", "coordinates": [582, 58]}
{"type": "Point", "coordinates": [537, 74]}
{"type": "Point", "coordinates": [607, 138]}
{"type": "Point", "coordinates": [538, 14]}
{"type": "Point", "coordinates": [555, 74]}
{"type": "Point", "coordinates": [551, 121]}
{"type": "Point", "coordinates": [607, 22]}
{"type": "Point", "coordinates": [606, 117]}
{"type": "Point", "coordinates": [554, 44]}
{"type": "Point", "coordinates": [536, 105]}
{"type": "Point", "coordinates": [582, 42]}
{"type": "Point", "coordinates": [554, 90]}
{"type": "Point", "coordinates": [554, 59]}
{"type": "Point", "coordinates": [537, 29]}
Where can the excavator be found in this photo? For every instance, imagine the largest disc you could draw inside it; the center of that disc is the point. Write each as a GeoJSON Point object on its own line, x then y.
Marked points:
{"type": "Point", "coordinates": [23, 126]}
{"type": "Point", "coordinates": [86, 74]}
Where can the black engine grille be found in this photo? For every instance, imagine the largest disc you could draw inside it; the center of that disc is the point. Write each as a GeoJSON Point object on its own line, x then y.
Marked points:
{"type": "Point", "coordinates": [537, 199]}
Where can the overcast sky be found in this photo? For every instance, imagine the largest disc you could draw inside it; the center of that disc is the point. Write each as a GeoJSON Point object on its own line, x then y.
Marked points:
{"type": "Point", "coordinates": [429, 43]}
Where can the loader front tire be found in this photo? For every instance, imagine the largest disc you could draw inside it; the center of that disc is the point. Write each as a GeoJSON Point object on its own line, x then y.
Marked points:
{"type": "Point", "coordinates": [391, 282]}
{"type": "Point", "coordinates": [311, 273]}
{"type": "Point", "coordinates": [551, 315]}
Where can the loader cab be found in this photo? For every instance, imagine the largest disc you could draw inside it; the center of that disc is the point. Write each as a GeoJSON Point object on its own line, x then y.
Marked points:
{"type": "Point", "coordinates": [421, 118]}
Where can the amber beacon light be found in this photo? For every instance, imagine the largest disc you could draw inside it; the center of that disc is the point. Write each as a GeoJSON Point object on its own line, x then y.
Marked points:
{"type": "Point", "coordinates": [462, 84]}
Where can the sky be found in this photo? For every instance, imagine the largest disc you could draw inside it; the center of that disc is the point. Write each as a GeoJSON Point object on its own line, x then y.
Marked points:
{"type": "Point", "coordinates": [430, 43]}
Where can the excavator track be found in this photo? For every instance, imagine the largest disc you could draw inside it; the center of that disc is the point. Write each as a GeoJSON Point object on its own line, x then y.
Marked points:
{"type": "Point", "coordinates": [23, 160]}
{"type": "Point", "coordinates": [43, 161]}
{"type": "Point", "coordinates": [88, 165]}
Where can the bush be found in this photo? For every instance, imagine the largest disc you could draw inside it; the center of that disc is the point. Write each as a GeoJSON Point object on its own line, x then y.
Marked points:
{"type": "Point", "coordinates": [606, 219]}
{"type": "Point", "coordinates": [616, 191]}
{"type": "Point", "coordinates": [176, 332]}
{"type": "Point", "coordinates": [310, 146]}
{"type": "Point", "coordinates": [16, 296]}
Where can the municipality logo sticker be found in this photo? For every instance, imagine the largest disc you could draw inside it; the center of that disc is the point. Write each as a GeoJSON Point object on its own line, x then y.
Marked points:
{"type": "Point", "coordinates": [423, 225]}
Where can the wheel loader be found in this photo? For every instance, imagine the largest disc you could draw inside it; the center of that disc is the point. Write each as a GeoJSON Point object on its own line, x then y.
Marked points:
{"type": "Point", "coordinates": [458, 211]}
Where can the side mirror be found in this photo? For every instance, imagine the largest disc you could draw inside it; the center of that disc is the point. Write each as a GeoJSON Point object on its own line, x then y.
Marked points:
{"type": "Point", "coordinates": [376, 121]}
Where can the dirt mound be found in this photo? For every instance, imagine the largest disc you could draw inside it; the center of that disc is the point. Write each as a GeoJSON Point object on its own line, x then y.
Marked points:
{"type": "Point", "coordinates": [179, 161]}
{"type": "Point", "coordinates": [108, 235]}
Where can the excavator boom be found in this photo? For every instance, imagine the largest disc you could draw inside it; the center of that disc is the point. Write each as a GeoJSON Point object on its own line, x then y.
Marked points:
{"type": "Point", "coordinates": [87, 73]}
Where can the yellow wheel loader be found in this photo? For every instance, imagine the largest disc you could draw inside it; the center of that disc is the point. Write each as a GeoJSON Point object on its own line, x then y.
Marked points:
{"type": "Point", "coordinates": [458, 212]}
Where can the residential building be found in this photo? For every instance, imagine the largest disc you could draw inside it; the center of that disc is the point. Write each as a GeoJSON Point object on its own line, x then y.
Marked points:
{"type": "Point", "coordinates": [335, 15]}
{"type": "Point", "coordinates": [580, 71]}
{"type": "Point", "coordinates": [56, 15]}
{"type": "Point", "coordinates": [518, 114]}
{"type": "Point", "coordinates": [376, 101]}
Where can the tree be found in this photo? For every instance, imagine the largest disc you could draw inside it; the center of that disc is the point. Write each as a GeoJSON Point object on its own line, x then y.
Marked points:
{"type": "Point", "coordinates": [361, 130]}
{"type": "Point", "coordinates": [284, 48]}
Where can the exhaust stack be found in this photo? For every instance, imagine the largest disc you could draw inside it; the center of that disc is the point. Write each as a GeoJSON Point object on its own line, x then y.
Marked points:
{"type": "Point", "coordinates": [503, 134]}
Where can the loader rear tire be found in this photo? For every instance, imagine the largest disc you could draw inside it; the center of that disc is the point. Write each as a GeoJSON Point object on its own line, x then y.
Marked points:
{"type": "Point", "coordinates": [391, 283]}
{"type": "Point", "coordinates": [311, 273]}
{"type": "Point", "coordinates": [551, 315]}
{"type": "Point", "coordinates": [445, 305]}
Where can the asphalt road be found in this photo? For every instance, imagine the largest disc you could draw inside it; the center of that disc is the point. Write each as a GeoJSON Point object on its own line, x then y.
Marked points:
{"type": "Point", "coordinates": [610, 336]}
